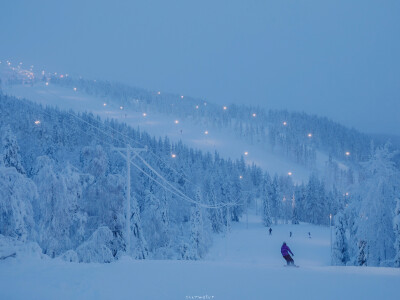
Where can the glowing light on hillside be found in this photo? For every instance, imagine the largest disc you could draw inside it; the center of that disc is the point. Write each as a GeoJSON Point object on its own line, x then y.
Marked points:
{"type": "Point", "coordinates": [37, 122]}
{"type": "Point", "coordinates": [246, 153]}
{"type": "Point", "coordinates": [61, 76]}
{"type": "Point", "coordinates": [8, 63]}
{"type": "Point", "coordinates": [74, 89]}
{"type": "Point", "coordinates": [104, 104]}
{"type": "Point", "coordinates": [284, 123]}
{"type": "Point", "coordinates": [290, 173]}
{"type": "Point", "coordinates": [43, 72]}
{"type": "Point", "coordinates": [225, 108]}
{"type": "Point", "coordinates": [173, 155]}
{"type": "Point", "coordinates": [347, 153]}
{"type": "Point", "coordinates": [158, 93]}
{"type": "Point", "coordinates": [144, 114]}
{"type": "Point", "coordinates": [47, 83]}
{"type": "Point", "coordinates": [309, 135]}
{"type": "Point", "coordinates": [121, 107]}
{"type": "Point", "coordinates": [240, 177]}
{"type": "Point", "coordinates": [347, 193]}
{"type": "Point", "coordinates": [205, 103]}
{"type": "Point", "coordinates": [182, 97]}
{"type": "Point", "coordinates": [176, 122]}
{"type": "Point", "coordinates": [206, 132]}
{"type": "Point", "coordinates": [197, 107]}
{"type": "Point", "coordinates": [254, 115]}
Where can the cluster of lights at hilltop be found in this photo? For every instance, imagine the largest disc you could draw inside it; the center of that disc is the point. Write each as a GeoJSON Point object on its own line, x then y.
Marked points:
{"type": "Point", "coordinates": [37, 122]}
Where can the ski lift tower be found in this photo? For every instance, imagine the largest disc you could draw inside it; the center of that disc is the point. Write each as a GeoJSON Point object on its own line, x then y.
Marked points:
{"type": "Point", "coordinates": [135, 152]}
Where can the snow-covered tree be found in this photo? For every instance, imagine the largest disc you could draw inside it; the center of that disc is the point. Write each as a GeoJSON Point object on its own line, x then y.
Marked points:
{"type": "Point", "coordinates": [340, 255]}
{"type": "Point", "coordinates": [266, 198]}
{"type": "Point", "coordinates": [376, 206]}
{"type": "Point", "coordinates": [16, 196]}
{"type": "Point", "coordinates": [11, 156]}
{"type": "Point", "coordinates": [396, 228]}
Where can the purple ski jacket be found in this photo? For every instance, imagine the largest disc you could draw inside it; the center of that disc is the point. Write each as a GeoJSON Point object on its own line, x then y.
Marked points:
{"type": "Point", "coordinates": [285, 250]}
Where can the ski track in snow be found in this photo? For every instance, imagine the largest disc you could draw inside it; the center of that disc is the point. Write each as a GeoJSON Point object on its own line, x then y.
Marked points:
{"type": "Point", "coordinates": [245, 266]}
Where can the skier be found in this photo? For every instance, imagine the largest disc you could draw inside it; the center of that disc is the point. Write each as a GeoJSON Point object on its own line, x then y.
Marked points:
{"type": "Point", "coordinates": [285, 253]}
{"type": "Point", "coordinates": [270, 231]}
{"type": "Point", "coordinates": [309, 235]}
{"type": "Point", "coordinates": [290, 234]}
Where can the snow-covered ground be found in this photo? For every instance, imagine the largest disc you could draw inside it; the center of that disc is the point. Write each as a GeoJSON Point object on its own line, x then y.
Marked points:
{"type": "Point", "coordinates": [246, 265]}
{"type": "Point", "coordinates": [191, 133]}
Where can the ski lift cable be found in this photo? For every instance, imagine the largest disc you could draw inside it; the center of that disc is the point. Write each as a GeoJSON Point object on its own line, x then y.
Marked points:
{"type": "Point", "coordinates": [130, 139]}
{"type": "Point", "coordinates": [175, 191]}
{"type": "Point", "coordinates": [167, 182]}
{"type": "Point", "coordinates": [185, 177]}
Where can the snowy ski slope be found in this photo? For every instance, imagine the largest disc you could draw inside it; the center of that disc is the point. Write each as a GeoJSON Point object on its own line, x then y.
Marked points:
{"type": "Point", "coordinates": [245, 266]}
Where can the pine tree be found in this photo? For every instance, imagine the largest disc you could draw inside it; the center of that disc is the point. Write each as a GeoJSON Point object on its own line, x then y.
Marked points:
{"type": "Point", "coordinates": [340, 255]}
{"type": "Point", "coordinates": [197, 234]}
{"type": "Point", "coordinates": [363, 253]}
{"type": "Point", "coordinates": [11, 156]}
{"type": "Point", "coordinates": [266, 198]}
{"type": "Point", "coordinates": [295, 211]}
{"type": "Point", "coordinates": [396, 228]}
{"type": "Point", "coordinates": [139, 248]}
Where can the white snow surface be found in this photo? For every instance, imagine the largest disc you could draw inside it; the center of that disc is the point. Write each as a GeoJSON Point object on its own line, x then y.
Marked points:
{"type": "Point", "coordinates": [160, 125]}
{"type": "Point", "coordinates": [246, 265]}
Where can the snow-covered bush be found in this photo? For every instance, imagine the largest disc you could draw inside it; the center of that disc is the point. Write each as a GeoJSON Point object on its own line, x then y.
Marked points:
{"type": "Point", "coordinates": [98, 247]}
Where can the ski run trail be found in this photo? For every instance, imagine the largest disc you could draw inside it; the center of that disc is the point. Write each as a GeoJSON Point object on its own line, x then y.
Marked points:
{"type": "Point", "coordinates": [245, 264]}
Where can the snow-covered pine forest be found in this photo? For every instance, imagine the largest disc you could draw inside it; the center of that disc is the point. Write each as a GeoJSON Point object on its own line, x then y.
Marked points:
{"type": "Point", "coordinates": [64, 182]}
